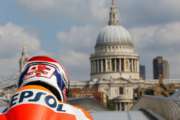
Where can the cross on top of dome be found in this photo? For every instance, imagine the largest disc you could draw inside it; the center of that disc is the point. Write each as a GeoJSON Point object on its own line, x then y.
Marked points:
{"type": "Point", "coordinates": [114, 33]}
{"type": "Point", "coordinates": [113, 15]}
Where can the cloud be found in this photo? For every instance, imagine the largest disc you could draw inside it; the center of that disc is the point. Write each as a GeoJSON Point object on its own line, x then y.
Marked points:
{"type": "Point", "coordinates": [79, 10]}
{"type": "Point", "coordinates": [40, 5]}
{"type": "Point", "coordinates": [12, 39]}
{"type": "Point", "coordinates": [76, 45]}
{"type": "Point", "coordinates": [76, 64]}
{"type": "Point", "coordinates": [78, 38]}
{"type": "Point", "coordinates": [132, 13]}
{"type": "Point", "coordinates": [8, 66]}
{"type": "Point", "coordinates": [149, 12]}
{"type": "Point", "coordinates": [154, 25]}
{"type": "Point", "coordinates": [160, 40]}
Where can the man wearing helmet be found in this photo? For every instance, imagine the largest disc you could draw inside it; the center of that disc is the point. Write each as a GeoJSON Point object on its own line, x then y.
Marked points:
{"type": "Point", "coordinates": [41, 94]}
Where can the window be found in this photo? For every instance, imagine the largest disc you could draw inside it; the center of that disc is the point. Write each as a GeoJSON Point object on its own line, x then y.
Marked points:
{"type": "Point", "coordinates": [123, 106]}
{"type": "Point", "coordinates": [121, 90]}
{"type": "Point", "coordinates": [108, 65]}
{"type": "Point", "coordinates": [122, 65]}
{"type": "Point", "coordinates": [117, 64]}
{"type": "Point", "coordinates": [104, 65]}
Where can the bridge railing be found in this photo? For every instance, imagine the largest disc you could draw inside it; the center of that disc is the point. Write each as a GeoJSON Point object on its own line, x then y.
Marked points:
{"type": "Point", "coordinates": [166, 108]}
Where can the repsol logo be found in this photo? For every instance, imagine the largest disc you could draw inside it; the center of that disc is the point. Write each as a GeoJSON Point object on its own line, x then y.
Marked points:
{"type": "Point", "coordinates": [37, 97]}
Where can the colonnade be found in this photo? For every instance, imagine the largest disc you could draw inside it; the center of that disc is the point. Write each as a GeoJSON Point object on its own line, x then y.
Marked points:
{"type": "Point", "coordinates": [114, 65]}
{"type": "Point", "coordinates": [123, 106]}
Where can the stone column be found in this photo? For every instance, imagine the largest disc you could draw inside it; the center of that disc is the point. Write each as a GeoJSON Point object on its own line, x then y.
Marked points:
{"type": "Point", "coordinates": [120, 65]}
{"type": "Point", "coordinates": [129, 64]}
{"type": "Point", "coordinates": [132, 63]}
{"type": "Point", "coordinates": [137, 66]}
{"type": "Point", "coordinates": [115, 65]}
{"type": "Point", "coordinates": [126, 61]}
{"type": "Point", "coordinates": [91, 66]}
{"type": "Point", "coordinates": [124, 64]}
{"type": "Point", "coordinates": [110, 62]}
{"type": "Point", "coordinates": [102, 70]}
{"type": "Point", "coordinates": [97, 62]}
{"type": "Point", "coordinates": [94, 66]}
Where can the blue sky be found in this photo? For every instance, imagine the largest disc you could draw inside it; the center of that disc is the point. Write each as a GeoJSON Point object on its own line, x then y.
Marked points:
{"type": "Point", "coordinates": [67, 30]}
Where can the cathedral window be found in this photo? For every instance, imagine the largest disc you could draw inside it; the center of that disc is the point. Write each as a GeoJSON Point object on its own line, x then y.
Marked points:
{"type": "Point", "coordinates": [122, 65]}
{"type": "Point", "coordinates": [117, 65]}
{"type": "Point", "coordinates": [108, 65]}
{"type": "Point", "coordinates": [99, 62]}
{"type": "Point", "coordinates": [113, 65]}
{"type": "Point", "coordinates": [104, 65]}
{"type": "Point", "coordinates": [121, 90]}
{"type": "Point", "coordinates": [96, 66]}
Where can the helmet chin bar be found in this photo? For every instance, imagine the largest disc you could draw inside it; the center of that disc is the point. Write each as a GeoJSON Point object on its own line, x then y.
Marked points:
{"type": "Point", "coordinates": [57, 93]}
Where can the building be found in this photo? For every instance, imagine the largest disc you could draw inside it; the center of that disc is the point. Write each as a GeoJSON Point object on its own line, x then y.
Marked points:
{"type": "Point", "coordinates": [115, 69]}
{"type": "Point", "coordinates": [166, 69]}
{"type": "Point", "coordinates": [23, 59]}
{"type": "Point", "coordinates": [160, 68]}
{"type": "Point", "coordinates": [115, 54]}
{"type": "Point", "coordinates": [142, 72]}
{"type": "Point", "coordinates": [114, 62]}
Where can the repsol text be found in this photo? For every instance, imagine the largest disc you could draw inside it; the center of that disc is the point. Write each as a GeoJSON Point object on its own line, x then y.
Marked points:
{"type": "Point", "coordinates": [36, 97]}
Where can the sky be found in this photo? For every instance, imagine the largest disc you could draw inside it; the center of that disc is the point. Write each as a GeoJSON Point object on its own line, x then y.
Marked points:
{"type": "Point", "coordinates": [67, 30]}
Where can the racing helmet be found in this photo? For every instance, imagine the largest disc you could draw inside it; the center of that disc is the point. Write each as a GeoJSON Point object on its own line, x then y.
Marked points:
{"type": "Point", "coordinates": [47, 72]}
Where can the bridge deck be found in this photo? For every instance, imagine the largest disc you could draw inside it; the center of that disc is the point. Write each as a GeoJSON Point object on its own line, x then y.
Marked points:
{"type": "Point", "coordinates": [132, 115]}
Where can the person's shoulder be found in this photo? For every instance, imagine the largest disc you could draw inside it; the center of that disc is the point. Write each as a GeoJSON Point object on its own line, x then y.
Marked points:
{"type": "Point", "coordinates": [2, 116]}
{"type": "Point", "coordinates": [86, 113]}
{"type": "Point", "coordinates": [79, 111]}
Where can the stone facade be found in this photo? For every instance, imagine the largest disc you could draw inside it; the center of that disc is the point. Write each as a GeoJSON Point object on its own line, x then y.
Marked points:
{"type": "Point", "coordinates": [122, 92]}
{"type": "Point", "coordinates": [114, 55]}
{"type": "Point", "coordinates": [114, 69]}
{"type": "Point", "coordinates": [114, 62]}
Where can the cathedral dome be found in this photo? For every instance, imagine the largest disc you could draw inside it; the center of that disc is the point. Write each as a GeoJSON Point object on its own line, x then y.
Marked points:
{"type": "Point", "coordinates": [114, 34]}
{"type": "Point", "coordinates": [115, 55]}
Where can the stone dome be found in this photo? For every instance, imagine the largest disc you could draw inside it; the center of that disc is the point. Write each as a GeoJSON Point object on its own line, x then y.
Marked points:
{"type": "Point", "coordinates": [114, 56]}
{"type": "Point", "coordinates": [114, 34]}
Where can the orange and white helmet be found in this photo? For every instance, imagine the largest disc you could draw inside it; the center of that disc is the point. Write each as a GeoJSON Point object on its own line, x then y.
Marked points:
{"type": "Point", "coordinates": [47, 72]}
